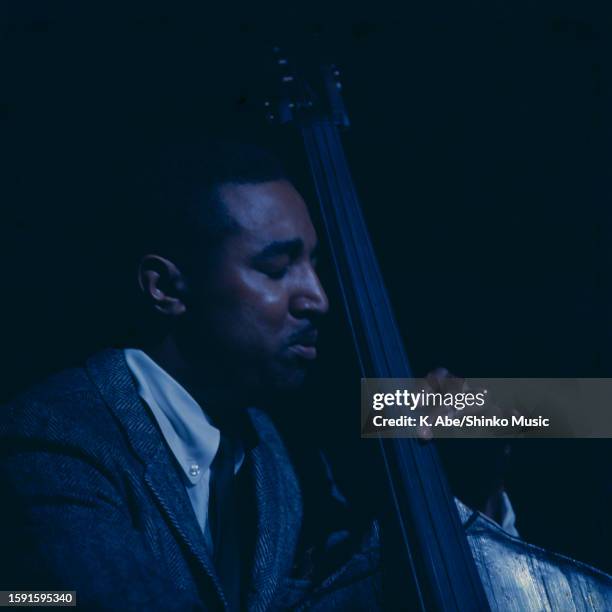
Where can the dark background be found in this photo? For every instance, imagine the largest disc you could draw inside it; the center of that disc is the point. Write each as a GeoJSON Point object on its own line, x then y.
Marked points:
{"type": "Point", "coordinates": [481, 148]}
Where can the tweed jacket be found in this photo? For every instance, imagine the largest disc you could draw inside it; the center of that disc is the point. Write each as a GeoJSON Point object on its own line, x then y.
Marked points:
{"type": "Point", "coordinates": [93, 502]}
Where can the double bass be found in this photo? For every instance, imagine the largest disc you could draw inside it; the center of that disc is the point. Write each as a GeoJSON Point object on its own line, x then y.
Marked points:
{"type": "Point", "coordinates": [438, 555]}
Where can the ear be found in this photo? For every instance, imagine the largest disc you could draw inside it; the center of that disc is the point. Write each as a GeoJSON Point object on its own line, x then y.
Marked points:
{"type": "Point", "coordinates": [162, 285]}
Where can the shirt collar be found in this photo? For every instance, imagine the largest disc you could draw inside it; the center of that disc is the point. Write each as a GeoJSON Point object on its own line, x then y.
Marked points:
{"type": "Point", "coordinates": [192, 438]}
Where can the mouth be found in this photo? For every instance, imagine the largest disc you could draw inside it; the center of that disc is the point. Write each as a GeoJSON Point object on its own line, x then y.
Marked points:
{"type": "Point", "coordinates": [304, 344]}
{"type": "Point", "coordinates": [304, 351]}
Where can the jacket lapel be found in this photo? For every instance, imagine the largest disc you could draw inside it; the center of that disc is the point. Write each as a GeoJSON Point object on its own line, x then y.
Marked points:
{"type": "Point", "coordinates": [166, 486]}
{"type": "Point", "coordinates": [279, 513]}
{"type": "Point", "coordinates": [111, 375]}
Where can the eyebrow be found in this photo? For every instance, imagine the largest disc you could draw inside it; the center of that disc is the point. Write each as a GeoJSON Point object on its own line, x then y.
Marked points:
{"type": "Point", "coordinates": [292, 248]}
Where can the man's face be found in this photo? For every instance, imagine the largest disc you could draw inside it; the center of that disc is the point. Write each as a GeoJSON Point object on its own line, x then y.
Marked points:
{"type": "Point", "coordinates": [263, 299]}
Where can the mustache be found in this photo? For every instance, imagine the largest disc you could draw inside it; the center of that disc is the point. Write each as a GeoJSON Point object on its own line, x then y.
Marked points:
{"type": "Point", "coordinates": [306, 336]}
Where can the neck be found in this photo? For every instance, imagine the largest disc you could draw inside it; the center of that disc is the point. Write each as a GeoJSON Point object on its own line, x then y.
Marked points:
{"type": "Point", "coordinates": [201, 380]}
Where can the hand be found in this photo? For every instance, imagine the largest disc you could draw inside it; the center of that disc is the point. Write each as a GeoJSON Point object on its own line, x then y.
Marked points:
{"type": "Point", "coordinates": [442, 381]}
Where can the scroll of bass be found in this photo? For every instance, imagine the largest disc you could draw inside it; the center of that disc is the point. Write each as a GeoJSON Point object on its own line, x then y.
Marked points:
{"type": "Point", "coordinates": [425, 549]}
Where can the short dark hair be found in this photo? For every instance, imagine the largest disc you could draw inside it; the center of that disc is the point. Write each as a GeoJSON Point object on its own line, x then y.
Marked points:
{"type": "Point", "coordinates": [185, 213]}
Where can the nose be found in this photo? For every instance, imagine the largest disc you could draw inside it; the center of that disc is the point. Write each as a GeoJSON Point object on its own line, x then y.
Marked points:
{"type": "Point", "coordinates": [309, 298]}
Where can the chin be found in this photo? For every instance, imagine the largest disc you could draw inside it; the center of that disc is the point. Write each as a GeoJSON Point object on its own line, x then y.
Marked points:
{"type": "Point", "coordinates": [287, 378]}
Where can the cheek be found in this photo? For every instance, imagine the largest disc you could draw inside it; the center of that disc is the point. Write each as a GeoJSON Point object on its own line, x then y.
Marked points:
{"type": "Point", "coordinates": [264, 306]}
{"type": "Point", "coordinates": [253, 304]}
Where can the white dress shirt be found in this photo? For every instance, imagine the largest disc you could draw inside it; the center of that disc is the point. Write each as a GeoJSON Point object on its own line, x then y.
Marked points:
{"type": "Point", "coordinates": [192, 438]}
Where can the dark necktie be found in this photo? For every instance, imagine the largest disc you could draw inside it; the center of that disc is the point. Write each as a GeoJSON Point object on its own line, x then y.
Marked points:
{"type": "Point", "coordinates": [223, 523]}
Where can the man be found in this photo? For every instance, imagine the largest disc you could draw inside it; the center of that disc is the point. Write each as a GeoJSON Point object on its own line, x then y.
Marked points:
{"type": "Point", "coordinates": [147, 479]}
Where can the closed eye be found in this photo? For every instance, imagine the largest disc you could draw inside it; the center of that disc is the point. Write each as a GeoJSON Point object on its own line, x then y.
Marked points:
{"type": "Point", "coordinates": [276, 274]}
{"type": "Point", "coordinates": [276, 258]}
{"type": "Point", "coordinates": [274, 267]}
